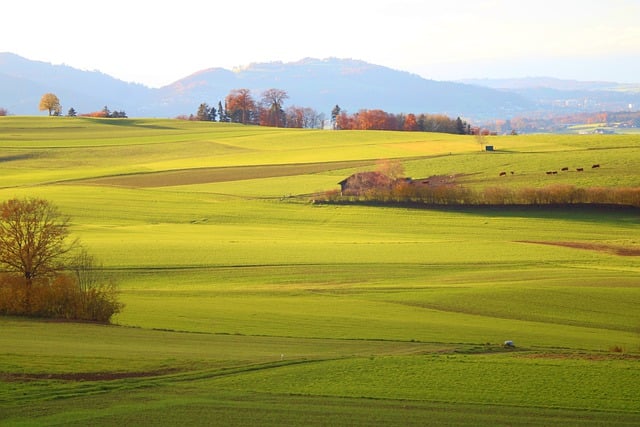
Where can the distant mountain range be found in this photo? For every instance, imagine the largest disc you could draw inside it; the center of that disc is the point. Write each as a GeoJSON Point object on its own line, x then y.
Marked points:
{"type": "Point", "coordinates": [317, 83]}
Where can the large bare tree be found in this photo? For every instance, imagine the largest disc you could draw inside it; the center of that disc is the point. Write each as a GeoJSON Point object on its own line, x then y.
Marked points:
{"type": "Point", "coordinates": [273, 102]}
{"type": "Point", "coordinates": [33, 238]}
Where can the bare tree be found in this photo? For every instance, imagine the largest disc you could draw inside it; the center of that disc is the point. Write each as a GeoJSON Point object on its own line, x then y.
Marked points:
{"type": "Point", "coordinates": [481, 139]}
{"type": "Point", "coordinates": [33, 238]}
{"type": "Point", "coordinates": [97, 290]}
{"type": "Point", "coordinates": [273, 102]}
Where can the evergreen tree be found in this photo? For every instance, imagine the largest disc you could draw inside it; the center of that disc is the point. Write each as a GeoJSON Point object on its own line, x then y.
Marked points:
{"type": "Point", "coordinates": [203, 112]}
{"type": "Point", "coordinates": [334, 115]}
{"type": "Point", "coordinates": [222, 113]}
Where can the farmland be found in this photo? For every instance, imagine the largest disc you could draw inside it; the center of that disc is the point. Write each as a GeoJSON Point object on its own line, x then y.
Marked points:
{"type": "Point", "coordinates": [246, 303]}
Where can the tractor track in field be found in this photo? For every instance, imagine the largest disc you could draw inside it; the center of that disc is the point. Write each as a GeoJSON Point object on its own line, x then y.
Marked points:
{"type": "Point", "coordinates": [218, 174]}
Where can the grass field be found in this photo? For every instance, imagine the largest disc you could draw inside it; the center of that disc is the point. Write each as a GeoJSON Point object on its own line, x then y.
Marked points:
{"type": "Point", "coordinates": [246, 304]}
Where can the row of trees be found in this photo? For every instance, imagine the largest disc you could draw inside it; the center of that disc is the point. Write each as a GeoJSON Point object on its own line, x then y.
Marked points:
{"type": "Point", "coordinates": [240, 106]}
{"type": "Point", "coordinates": [44, 274]}
{"type": "Point", "coordinates": [104, 113]}
{"type": "Point", "coordinates": [51, 103]}
{"type": "Point", "coordinates": [552, 122]}
{"type": "Point", "coordinates": [381, 120]}
{"type": "Point", "coordinates": [405, 191]}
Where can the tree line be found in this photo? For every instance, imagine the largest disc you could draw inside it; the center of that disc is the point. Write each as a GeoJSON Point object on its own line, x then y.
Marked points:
{"type": "Point", "coordinates": [240, 106]}
{"type": "Point", "coordinates": [455, 195]}
{"type": "Point", "coordinates": [386, 185]}
{"type": "Point", "coordinates": [382, 120]}
{"type": "Point", "coordinates": [51, 103]}
{"type": "Point", "coordinates": [551, 122]}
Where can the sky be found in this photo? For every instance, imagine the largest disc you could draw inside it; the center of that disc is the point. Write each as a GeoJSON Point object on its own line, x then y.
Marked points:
{"type": "Point", "coordinates": [156, 42]}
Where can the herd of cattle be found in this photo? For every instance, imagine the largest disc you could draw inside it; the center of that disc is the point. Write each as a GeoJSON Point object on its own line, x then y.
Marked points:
{"type": "Point", "coordinates": [565, 169]}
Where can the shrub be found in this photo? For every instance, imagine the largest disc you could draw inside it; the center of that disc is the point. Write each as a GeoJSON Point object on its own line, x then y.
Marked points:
{"type": "Point", "coordinates": [59, 297]}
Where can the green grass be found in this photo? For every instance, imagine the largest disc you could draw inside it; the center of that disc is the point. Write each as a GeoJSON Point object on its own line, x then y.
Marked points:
{"type": "Point", "coordinates": [247, 304]}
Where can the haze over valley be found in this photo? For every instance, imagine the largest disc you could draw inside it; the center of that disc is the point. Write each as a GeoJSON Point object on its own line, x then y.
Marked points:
{"type": "Point", "coordinates": [316, 83]}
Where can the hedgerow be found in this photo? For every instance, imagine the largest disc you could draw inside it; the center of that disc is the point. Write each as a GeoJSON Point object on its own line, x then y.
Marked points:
{"type": "Point", "coordinates": [456, 195]}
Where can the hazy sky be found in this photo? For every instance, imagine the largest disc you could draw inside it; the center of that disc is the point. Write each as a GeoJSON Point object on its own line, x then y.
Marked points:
{"type": "Point", "coordinates": [156, 42]}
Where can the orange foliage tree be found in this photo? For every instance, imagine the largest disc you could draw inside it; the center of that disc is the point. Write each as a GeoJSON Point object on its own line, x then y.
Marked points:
{"type": "Point", "coordinates": [241, 106]}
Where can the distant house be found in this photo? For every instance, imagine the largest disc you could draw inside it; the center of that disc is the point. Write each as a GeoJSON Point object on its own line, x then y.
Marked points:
{"type": "Point", "coordinates": [363, 181]}
{"type": "Point", "coordinates": [601, 131]}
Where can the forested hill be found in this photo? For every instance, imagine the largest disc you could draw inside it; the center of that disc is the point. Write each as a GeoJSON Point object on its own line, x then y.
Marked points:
{"type": "Point", "coordinates": [351, 84]}
{"type": "Point", "coordinates": [314, 83]}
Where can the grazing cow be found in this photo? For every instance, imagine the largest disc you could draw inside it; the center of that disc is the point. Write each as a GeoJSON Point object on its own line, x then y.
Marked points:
{"type": "Point", "coordinates": [565, 169]}
{"type": "Point", "coordinates": [549, 173]}
{"type": "Point", "coordinates": [503, 174]}
{"type": "Point", "coordinates": [555, 172]}
{"type": "Point", "coordinates": [595, 166]}
{"type": "Point", "coordinates": [579, 169]}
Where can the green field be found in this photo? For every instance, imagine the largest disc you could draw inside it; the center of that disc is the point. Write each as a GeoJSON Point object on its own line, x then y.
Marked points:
{"type": "Point", "coordinates": [247, 304]}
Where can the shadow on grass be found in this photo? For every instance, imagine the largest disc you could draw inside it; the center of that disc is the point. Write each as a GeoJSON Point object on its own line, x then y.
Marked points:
{"type": "Point", "coordinates": [127, 123]}
{"type": "Point", "coordinates": [599, 213]}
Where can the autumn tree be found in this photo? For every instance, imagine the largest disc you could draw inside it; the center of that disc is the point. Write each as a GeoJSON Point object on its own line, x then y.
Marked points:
{"type": "Point", "coordinates": [33, 238]}
{"type": "Point", "coordinates": [410, 123]}
{"type": "Point", "coordinates": [273, 103]}
{"type": "Point", "coordinates": [373, 120]}
{"type": "Point", "coordinates": [240, 106]}
{"type": "Point", "coordinates": [344, 121]}
{"type": "Point", "coordinates": [50, 102]}
{"type": "Point", "coordinates": [35, 256]}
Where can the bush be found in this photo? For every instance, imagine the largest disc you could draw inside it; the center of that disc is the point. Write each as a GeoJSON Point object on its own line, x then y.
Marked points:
{"type": "Point", "coordinates": [59, 297]}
